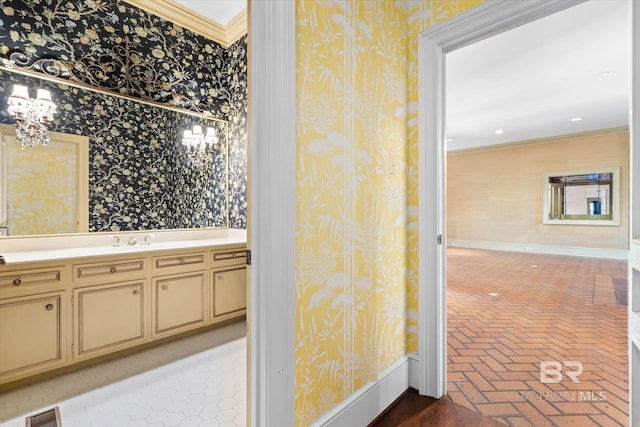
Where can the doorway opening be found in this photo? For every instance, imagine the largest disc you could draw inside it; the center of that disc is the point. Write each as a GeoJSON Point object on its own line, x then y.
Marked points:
{"type": "Point", "coordinates": [517, 301]}
{"type": "Point", "coordinates": [435, 44]}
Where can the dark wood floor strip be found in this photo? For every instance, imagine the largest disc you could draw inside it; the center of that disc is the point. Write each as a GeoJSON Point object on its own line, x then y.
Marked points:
{"type": "Point", "coordinates": [413, 410]}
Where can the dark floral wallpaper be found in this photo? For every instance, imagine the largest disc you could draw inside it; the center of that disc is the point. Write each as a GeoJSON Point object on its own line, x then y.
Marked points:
{"type": "Point", "coordinates": [138, 178]}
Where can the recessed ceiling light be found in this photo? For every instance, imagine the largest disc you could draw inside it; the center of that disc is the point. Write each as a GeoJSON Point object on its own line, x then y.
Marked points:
{"type": "Point", "coordinates": [499, 132]}
{"type": "Point", "coordinates": [576, 119]}
{"type": "Point", "coordinates": [605, 73]}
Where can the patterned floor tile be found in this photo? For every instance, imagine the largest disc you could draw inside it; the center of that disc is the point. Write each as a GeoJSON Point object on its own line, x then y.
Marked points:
{"type": "Point", "coordinates": [181, 383]}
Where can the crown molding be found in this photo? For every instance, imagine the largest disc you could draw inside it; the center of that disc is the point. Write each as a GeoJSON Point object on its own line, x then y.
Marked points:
{"type": "Point", "coordinates": [544, 140]}
{"type": "Point", "coordinates": [186, 18]}
{"type": "Point", "coordinates": [237, 27]}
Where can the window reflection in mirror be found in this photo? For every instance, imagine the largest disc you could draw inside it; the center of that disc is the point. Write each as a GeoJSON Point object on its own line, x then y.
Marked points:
{"type": "Point", "coordinates": [582, 197]}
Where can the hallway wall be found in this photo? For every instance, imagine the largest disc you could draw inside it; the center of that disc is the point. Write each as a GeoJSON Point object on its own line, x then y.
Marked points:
{"type": "Point", "coordinates": [496, 195]}
{"type": "Point", "coordinates": [350, 242]}
{"type": "Point", "coordinates": [357, 179]}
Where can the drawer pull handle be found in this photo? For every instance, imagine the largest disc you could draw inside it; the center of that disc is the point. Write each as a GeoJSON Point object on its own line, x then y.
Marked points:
{"type": "Point", "coordinates": [136, 292]}
{"type": "Point", "coordinates": [182, 261]}
{"type": "Point", "coordinates": [113, 270]}
{"type": "Point", "coordinates": [48, 307]}
{"type": "Point", "coordinates": [165, 287]}
{"type": "Point", "coordinates": [17, 282]}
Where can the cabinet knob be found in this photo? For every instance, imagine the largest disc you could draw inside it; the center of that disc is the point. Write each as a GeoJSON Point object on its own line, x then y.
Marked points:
{"type": "Point", "coordinates": [136, 292]}
{"type": "Point", "coordinates": [16, 282]}
{"type": "Point", "coordinates": [165, 287]}
{"type": "Point", "coordinates": [220, 276]}
{"type": "Point", "coordinates": [181, 261]}
{"type": "Point", "coordinates": [48, 307]}
{"type": "Point", "coordinates": [113, 270]}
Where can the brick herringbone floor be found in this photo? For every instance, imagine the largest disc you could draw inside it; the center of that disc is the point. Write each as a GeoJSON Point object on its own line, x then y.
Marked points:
{"type": "Point", "coordinates": [547, 309]}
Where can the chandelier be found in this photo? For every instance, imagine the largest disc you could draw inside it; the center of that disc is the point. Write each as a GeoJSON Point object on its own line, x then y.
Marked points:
{"type": "Point", "coordinates": [32, 115]}
{"type": "Point", "coordinates": [199, 145]}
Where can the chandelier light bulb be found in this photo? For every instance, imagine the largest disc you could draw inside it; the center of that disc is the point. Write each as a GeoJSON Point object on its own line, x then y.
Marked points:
{"type": "Point", "coordinates": [32, 115]}
{"type": "Point", "coordinates": [199, 145]}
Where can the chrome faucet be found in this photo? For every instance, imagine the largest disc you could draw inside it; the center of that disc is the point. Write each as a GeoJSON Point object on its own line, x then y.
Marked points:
{"type": "Point", "coordinates": [147, 238]}
{"type": "Point", "coordinates": [116, 241]}
{"type": "Point", "coordinates": [132, 240]}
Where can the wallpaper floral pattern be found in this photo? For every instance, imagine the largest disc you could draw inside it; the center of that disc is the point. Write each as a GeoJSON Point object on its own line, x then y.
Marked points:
{"type": "Point", "coordinates": [140, 176]}
{"type": "Point", "coordinates": [357, 192]}
{"type": "Point", "coordinates": [118, 47]}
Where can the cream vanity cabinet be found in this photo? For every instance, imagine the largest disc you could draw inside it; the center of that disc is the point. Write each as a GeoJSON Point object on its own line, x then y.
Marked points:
{"type": "Point", "coordinates": [228, 283]}
{"type": "Point", "coordinates": [54, 314]}
{"type": "Point", "coordinates": [110, 306]}
{"type": "Point", "coordinates": [178, 292]}
{"type": "Point", "coordinates": [33, 320]}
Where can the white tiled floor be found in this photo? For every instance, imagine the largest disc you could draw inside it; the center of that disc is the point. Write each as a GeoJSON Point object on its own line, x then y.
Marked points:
{"type": "Point", "coordinates": [195, 381]}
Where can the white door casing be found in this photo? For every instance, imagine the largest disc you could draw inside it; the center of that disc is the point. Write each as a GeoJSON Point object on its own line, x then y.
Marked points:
{"type": "Point", "coordinates": [634, 215]}
{"type": "Point", "coordinates": [272, 118]}
{"type": "Point", "coordinates": [477, 24]}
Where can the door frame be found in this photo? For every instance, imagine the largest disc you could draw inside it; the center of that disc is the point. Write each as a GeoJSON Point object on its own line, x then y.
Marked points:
{"type": "Point", "coordinates": [477, 24]}
{"type": "Point", "coordinates": [271, 202]}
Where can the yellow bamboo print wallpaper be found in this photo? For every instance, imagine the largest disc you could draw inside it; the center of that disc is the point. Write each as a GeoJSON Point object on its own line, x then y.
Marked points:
{"type": "Point", "coordinates": [351, 239]}
{"type": "Point", "coordinates": [356, 208]}
{"type": "Point", "coordinates": [42, 188]}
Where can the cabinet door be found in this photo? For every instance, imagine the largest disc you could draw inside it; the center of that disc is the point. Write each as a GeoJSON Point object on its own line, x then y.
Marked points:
{"type": "Point", "coordinates": [108, 317]}
{"type": "Point", "coordinates": [31, 334]}
{"type": "Point", "coordinates": [179, 302]}
{"type": "Point", "coordinates": [229, 291]}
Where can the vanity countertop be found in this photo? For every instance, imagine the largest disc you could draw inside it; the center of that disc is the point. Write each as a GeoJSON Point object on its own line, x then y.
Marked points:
{"type": "Point", "coordinates": [106, 249]}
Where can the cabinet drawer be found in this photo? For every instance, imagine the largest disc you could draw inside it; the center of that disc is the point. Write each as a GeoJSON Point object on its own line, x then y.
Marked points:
{"type": "Point", "coordinates": [235, 256]}
{"type": "Point", "coordinates": [23, 282]}
{"type": "Point", "coordinates": [178, 263]}
{"type": "Point", "coordinates": [108, 271]}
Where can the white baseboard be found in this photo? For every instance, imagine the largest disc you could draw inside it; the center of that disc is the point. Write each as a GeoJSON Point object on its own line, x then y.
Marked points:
{"type": "Point", "coordinates": [369, 401]}
{"type": "Point", "coordinates": [541, 249]}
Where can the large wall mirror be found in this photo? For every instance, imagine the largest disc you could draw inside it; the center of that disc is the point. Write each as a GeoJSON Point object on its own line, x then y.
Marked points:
{"type": "Point", "coordinates": [584, 197]}
{"type": "Point", "coordinates": [134, 175]}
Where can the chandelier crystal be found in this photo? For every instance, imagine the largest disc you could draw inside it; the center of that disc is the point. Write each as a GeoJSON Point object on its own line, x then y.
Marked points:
{"type": "Point", "coordinates": [199, 145]}
{"type": "Point", "coordinates": [32, 116]}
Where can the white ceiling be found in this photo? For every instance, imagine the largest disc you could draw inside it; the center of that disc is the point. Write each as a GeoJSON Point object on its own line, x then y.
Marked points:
{"type": "Point", "coordinates": [531, 81]}
{"type": "Point", "coordinates": [219, 11]}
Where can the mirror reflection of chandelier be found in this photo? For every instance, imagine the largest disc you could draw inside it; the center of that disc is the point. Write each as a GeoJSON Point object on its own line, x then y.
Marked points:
{"type": "Point", "coordinates": [199, 144]}
{"type": "Point", "coordinates": [32, 115]}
